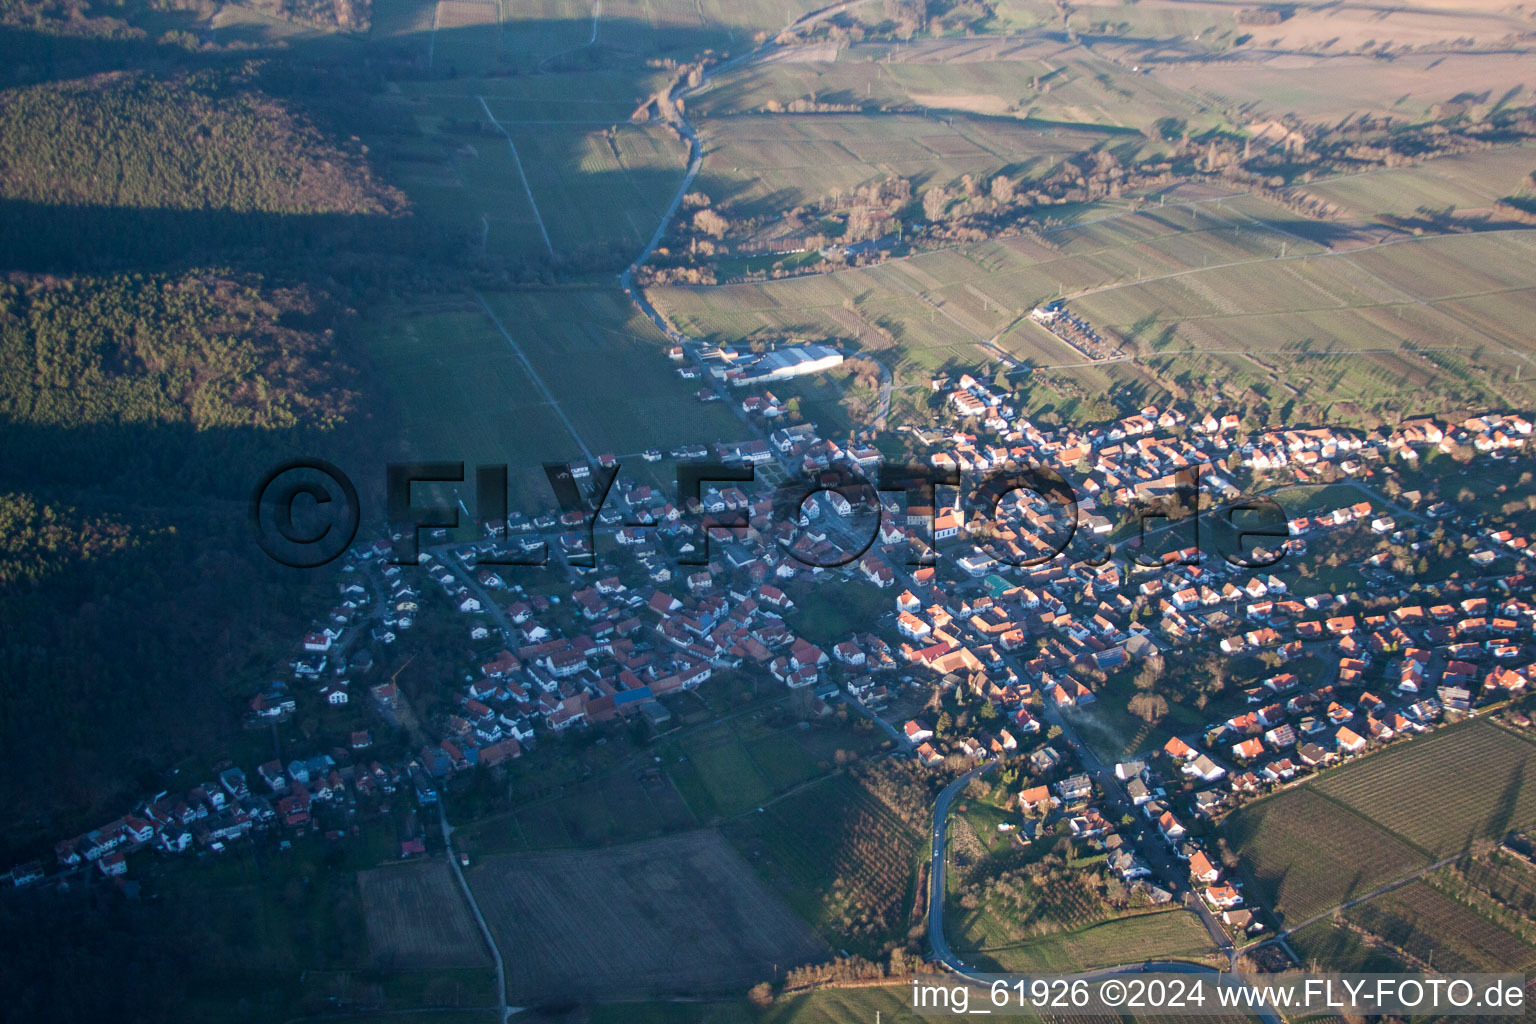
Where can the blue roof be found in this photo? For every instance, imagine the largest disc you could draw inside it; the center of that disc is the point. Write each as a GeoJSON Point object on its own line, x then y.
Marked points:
{"type": "Point", "coordinates": [631, 696]}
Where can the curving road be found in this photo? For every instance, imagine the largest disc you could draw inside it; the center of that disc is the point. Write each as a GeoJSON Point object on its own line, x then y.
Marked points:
{"type": "Point", "coordinates": [942, 953]}
{"type": "Point", "coordinates": [941, 950]}
{"type": "Point", "coordinates": [679, 120]}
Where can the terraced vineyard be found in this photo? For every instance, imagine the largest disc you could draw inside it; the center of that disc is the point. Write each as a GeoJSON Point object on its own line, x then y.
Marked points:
{"type": "Point", "coordinates": [1307, 853]}
{"type": "Point", "coordinates": [1342, 949]}
{"type": "Point", "coordinates": [1509, 881]}
{"type": "Point", "coordinates": [1426, 792]}
{"type": "Point", "coordinates": [842, 858]}
{"type": "Point", "coordinates": [1433, 928]}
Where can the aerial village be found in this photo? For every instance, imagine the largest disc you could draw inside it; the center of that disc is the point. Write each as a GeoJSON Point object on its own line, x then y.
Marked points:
{"type": "Point", "coordinates": [981, 612]}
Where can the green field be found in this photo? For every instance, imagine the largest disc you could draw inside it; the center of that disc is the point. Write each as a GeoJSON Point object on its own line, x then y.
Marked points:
{"type": "Point", "coordinates": [1472, 181]}
{"type": "Point", "coordinates": [759, 166]}
{"type": "Point", "coordinates": [599, 184]}
{"type": "Point", "coordinates": [1166, 935]}
{"type": "Point", "coordinates": [1314, 847]}
{"type": "Point", "coordinates": [731, 768]}
{"type": "Point", "coordinates": [462, 393]}
{"type": "Point", "coordinates": [1339, 949]}
{"type": "Point", "coordinates": [620, 808]}
{"type": "Point", "coordinates": [1213, 293]}
{"type": "Point", "coordinates": [1443, 791]}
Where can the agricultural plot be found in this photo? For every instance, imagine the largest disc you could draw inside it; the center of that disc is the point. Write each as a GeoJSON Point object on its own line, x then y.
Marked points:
{"type": "Point", "coordinates": [462, 395]}
{"type": "Point", "coordinates": [1325, 88]}
{"type": "Point", "coordinates": [717, 775]}
{"type": "Point", "coordinates": [600, 192]}
{"type": "Point", "coordinates": [733, 767]}
{"type": "Point", "coordinates": [680, 915]}
{"type": "Point", "coordinates": [603, 363]}
{"type": "Point", "coordinates": [1032, 77]}
{"type": "Point", "coordinates": [1431, 927]}
{"type": "Point", "coordinates": [417, 918]}
{"type": "Point", "coordinates": [618, 809]}
{"type": "Point", "coordinates": [595, 184]}
{"type": "Point", "coordinates": [1509, 880]}
{"type": "Point", "coordinates": [842, 859]}
{"type": "Point", "coordinates": [1169, 934]}
{"type": "Point", "coordinates": [1307, 853]}
{"type": "Point", "coordinates": [461, 392]}
{"type": "Point", "coordinates": [1341, 949]}
{"type": "Point", "coordinates": [759, 166]}
{"type": "Point", "coordinates": [393, 19]}
{"type": "Point", "coordinates": [1060, 905]}
{"type": "Point", "coordinates": [558, 35]}
{"type": "Point", "coordinates": [1470, 182]}
{"type": "Point", "coordinates": [1415, 320]}
{"type": "Point", "coordinates": [958, 307]}
{"type": "Point", "coordinates": [466, 37]}
{"type": "Point", "coordinates": [1420, 790]}
{"type": "Point", "coordinates": [1209, 292]}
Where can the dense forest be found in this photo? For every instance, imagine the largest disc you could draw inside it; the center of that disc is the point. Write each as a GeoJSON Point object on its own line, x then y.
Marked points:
{"type": "Point", "coordinates": [134, 19]}
{"type": "Point", "coordinates": [172, 247]}
{"type": "Point", "coordinates": [196, 348]}
{"type": "Point", "coordinates": [208, 140]}
{"type": "Point", "coordinates": [138, 613]}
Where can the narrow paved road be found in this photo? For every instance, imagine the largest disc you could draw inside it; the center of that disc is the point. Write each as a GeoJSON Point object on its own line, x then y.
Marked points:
{"type": "Point", "coordinates": [943, 954]}
{"type": "Point", "coordinates": [533, 375]}
{"type": "Point", "coordinates": [1280, 937]}
{"type": "Point", "coordinates": [696, 155]}
{"type": "Point", "coordinates": [521, 175]}
{"type": "Point", "coordinates": [474, 908]}
{"type": "Point", "coordinates": [1168, 867]}
{"type": "Point", "coordinates": [941, 950]}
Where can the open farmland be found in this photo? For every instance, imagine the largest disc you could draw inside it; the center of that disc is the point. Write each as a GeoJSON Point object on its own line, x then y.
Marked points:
{"type": "Point", "coordinates": [417, 918]}
{"type": "Point", "coordinates": [1326, 88]}
{"type": "Point", "coordinates": [1398, 323]}
{"type": "Point", "coordinates": [1420, 790]}
{"type": "Point", "coordinates": [1058, 905]}
{"type": "Point", "coordinates": [466, 36]}
{"type": "Point", "coordinates": [1036, 77]}
{"type": "Point", "coordinates": [601, 812]}
{"type": "Point", "coordinates": [842, 859]}
{"type": "Point", "coordinates": [1470, 182]}
{"type": "Point", "coordinates": [1342, 949]}
{"type": "Point", "coordinates": [498, 165]}
{"type": "Point", "coordinates": [1509, 880]}
{"type": "Point", "coordinates": [1307, 853]}
{"type": "Point", "coordinates": [758, 166]}
{"type": "Point", "coordinates": [463, 393]}
{"type": "Point", "coordinates": [1168, 934]}
{"type": "Point", "coordinates": [1431, 927]}
{"type": "Point", "coordinates": [677, 915]}
{"type": "Point", "coordinates": [560, 35]}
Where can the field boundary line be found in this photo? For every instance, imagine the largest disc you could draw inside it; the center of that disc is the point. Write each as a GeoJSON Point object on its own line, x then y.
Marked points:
{"type": "Point", "coordinates": [521, 174]}
{"type": "Point", "coordinates": [1359, 813]}
{"type": "Point", "coordinates": [432, 37]}
{"type": "Point", "coordinates": [533, 375]}
{"type": "Point", "coordinates": [1380, 891]}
